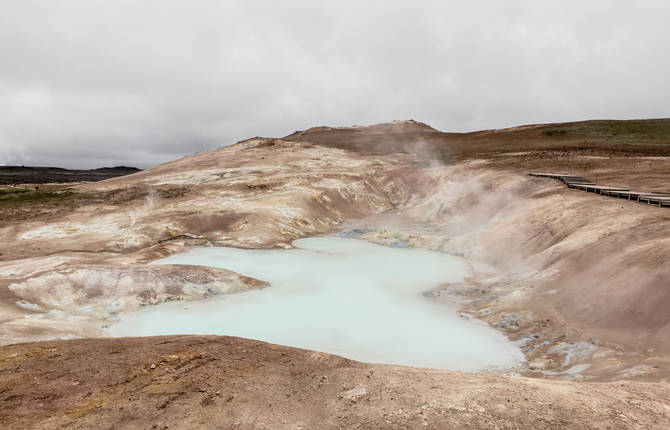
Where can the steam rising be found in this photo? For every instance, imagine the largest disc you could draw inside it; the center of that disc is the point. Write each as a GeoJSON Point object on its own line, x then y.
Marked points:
{"type": "Point", "coordinates": [342, 296]}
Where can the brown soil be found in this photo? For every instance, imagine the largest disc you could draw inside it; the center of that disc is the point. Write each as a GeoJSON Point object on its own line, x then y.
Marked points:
{"type": "Point", "coordinates": [183, 382]}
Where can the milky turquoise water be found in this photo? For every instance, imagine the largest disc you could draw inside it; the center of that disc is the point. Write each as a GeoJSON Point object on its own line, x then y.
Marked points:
{"type": "Point", "coordinates": [342, 296]}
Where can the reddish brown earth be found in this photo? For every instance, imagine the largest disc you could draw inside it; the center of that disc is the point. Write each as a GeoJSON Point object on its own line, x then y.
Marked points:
{"type": "Point", "coordinates": [222, 382]}
{"type": "Point", "coordinates": [582, 279]}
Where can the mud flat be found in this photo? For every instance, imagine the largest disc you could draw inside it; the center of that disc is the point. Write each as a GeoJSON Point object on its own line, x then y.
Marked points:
{"type": "Point", "coordinates": [342, 296]}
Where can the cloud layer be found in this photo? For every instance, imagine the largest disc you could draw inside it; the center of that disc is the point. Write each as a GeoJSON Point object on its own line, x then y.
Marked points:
{"type": "Point", "coordinates": [89, 83]}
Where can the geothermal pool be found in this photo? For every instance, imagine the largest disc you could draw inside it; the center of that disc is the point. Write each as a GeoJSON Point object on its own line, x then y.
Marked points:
{"type": "Point", "coordinates": [342, 296]}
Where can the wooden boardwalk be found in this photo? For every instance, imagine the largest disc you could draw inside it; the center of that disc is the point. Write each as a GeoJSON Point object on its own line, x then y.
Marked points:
{"type": "Point", "coordinates": [584, 184]}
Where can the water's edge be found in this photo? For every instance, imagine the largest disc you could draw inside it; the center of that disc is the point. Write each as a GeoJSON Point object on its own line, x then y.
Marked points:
{"type": "Point", "coordinates": [337, 295]}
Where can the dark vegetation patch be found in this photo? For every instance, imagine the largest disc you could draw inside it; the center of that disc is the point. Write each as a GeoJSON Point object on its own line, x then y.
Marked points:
{"type": "Point", "coordinates": [257, 186]}
{"type": "Point", "coordinates": [17, 204]}
{"type": "Point", "coordinates": [650, 131]}
{"type": "Point", "coordinates": [554, 132]}
{"type": "Point", "coordinates": [267, 143]}
{"type": "Point", "coordinates": [122, 196]}
{"type": "Point", "coordinates": [21, 196]}
{"type": "Point", "coordinates": [203, 223]}
{"type": "Point", "coordinates": [172, 192]}
{"type": "Point", "coordinates": [23, 203]}
{"type": "Point", "coordinates": [10, 175]}
{"type": "Point", "coordinates": [13, 191]}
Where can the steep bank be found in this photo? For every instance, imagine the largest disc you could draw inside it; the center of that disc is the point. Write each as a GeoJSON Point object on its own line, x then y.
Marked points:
{"type": "Point", "coordinates": [579, 279]}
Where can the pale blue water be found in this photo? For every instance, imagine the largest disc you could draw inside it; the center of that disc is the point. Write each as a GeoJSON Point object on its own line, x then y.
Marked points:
{"type": "Point", "coordinates": [343, 296]}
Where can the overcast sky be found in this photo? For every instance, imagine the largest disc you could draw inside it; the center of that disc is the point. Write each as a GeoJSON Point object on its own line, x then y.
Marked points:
{"type": "Point", "coordinates": [90, 83]}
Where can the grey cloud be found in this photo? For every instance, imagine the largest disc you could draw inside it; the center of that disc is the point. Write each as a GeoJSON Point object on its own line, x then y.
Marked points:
{"type": "Point", "coordinates": [89, 83]}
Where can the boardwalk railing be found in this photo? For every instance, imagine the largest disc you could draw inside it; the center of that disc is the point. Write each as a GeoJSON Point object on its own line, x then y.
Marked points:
{"type": "Point", "coordinates": [584, 184]}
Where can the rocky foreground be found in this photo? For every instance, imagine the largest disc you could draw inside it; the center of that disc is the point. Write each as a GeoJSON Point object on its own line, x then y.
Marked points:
{"type": "Point", "coordinates": [579, 281]}
{"type": "Point", "coordinates": [184, 382]}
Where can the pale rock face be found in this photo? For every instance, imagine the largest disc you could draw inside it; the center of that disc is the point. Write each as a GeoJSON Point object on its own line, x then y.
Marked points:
{"type": "Point", "coordinates": [105, 290]}
{"type": "Point", "coordinates": [297, 190]}
{"type": "Point", "coordinates": [259, 193]}
{"type": "Point", "coordinates": [86, 297]}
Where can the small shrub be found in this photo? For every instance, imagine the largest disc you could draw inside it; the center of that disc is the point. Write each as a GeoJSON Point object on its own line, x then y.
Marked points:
{"type": "Point", "coordinates": [553, 132]}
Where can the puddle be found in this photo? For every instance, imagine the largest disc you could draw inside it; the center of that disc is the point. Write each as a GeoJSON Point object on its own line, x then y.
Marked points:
{"type": "Point", "coordinates": [337, 295]}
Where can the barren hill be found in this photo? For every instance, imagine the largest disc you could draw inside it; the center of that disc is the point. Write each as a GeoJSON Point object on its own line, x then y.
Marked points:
{"type": "Point", "coordinates": [578, 279]}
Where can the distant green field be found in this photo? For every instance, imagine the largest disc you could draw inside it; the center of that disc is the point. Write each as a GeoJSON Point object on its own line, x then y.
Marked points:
{"type": "Point", "coordinates": [11, 191]}
{"type": "Point", "coordinates": [651, 131]}
{"type": "Point", "coordinates": [30, 196]}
